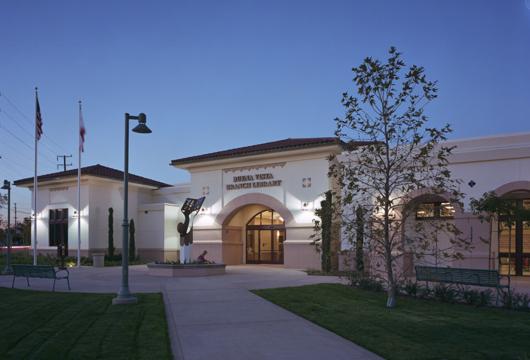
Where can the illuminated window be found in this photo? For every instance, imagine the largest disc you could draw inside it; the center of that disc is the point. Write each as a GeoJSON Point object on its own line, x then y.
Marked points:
{"type": "Point", "coordinates": [514, 241]}
{"type": "Point", "coordinates": [435, 210]}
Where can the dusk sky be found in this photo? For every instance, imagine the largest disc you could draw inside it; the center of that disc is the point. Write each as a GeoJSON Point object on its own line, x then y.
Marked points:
{"type": "Point", "coordinates": [212, 75]}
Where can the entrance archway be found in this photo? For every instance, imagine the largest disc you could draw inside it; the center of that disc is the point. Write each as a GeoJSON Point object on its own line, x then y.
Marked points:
{"type": "Point", "coordinates": [265, 234]}
{"type": "Point", "coordinates": [241, 212]}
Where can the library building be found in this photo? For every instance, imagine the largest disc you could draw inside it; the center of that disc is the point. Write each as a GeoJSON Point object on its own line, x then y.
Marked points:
{"type": "Point", "coordinates": [260, 204]}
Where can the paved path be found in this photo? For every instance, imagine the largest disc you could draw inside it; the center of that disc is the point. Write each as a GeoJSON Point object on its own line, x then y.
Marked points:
{"type": "Point", "coordinates": [217, 317]}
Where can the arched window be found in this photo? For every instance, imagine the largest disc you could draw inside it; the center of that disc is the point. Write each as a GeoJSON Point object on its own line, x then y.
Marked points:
{"type": "Point", "coordinates": [266, 217]}
{"type": "Point", "coordinates": [514, 236]}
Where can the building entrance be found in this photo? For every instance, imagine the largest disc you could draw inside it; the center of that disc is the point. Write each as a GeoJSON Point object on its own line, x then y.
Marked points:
{"type": "Point", "coordinates": [265, 237]}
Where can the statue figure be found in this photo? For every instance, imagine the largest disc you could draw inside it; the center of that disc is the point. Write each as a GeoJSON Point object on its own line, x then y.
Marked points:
{"type": "Point", "coordinates": [184, 229]}
{"type": "Point", "coordinates": [201, 259]}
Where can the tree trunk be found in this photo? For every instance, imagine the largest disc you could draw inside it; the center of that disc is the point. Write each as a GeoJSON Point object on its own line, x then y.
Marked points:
{"type": "Point", "coordinates": [391, 291]}
{"type": "Point", "coordinates": [359, 241]}
{"type": "Point", "coordinates": [391, 296]}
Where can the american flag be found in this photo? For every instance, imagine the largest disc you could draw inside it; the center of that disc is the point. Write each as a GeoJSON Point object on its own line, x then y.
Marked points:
{"type": "Point", "coordinates": [38, 119]}
{"type": "Point", "coordinates": [82, 131]}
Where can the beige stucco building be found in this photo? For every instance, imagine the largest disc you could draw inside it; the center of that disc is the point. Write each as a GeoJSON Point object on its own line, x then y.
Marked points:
{"type": "Point", "coordinates": [260, 203]}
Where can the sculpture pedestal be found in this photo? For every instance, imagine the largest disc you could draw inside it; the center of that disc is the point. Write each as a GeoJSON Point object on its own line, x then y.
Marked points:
{"type": "Point", "coordinates": [185, 254]}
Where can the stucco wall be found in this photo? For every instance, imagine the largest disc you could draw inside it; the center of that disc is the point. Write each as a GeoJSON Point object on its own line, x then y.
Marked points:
{"type": "Point", "coordinates": [60, 196]}
{"type": "Point", "coordinates": [303, 183]}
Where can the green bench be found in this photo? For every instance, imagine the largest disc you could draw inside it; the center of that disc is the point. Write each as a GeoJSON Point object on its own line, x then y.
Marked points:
{"type": "Point", "coordinates": [40, 271]}
{"type": "Point", "coordinates": [460, 276]}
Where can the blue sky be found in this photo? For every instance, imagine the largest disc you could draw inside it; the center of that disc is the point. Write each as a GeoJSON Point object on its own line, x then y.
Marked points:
{"type": "Point", "coordinates": [212, 75]}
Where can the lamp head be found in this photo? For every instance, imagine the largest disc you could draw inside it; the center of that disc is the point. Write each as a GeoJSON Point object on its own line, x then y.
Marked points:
{"type": "Point", "coordinates": [7, 185]}
{"type": "Point", "coordinates": [142, 127]}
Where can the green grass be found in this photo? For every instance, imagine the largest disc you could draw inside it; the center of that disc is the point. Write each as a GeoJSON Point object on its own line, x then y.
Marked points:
{"type": "Point", "coordinates": [44, 325]}
{"type": "Point", "coordinates": [415, 329]}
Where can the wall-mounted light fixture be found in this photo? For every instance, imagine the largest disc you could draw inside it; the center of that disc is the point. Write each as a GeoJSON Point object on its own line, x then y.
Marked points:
{"type": "Point", "coordinates": [306, 205]}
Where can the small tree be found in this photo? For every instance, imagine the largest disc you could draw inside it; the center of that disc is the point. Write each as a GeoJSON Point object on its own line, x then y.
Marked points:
{"type": "Point", "coordinates": [26, 231]}
{"type": "Point", "coordinates": [322, 232]}
{"type": "Point", "coordinates": [392, 153]}
{"type": "Point", "coordinates": [111, 233]}
{"type": "Point", "coordinates": [132, 241]}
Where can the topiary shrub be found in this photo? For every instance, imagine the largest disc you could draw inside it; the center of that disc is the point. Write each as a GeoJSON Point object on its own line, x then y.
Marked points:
{"type": "Point", "coordinates": [132, 241]}
{"type": "Point", "coordinates": [110, 234]}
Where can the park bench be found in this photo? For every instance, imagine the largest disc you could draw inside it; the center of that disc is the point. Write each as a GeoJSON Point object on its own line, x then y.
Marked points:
{"type": "Point", "coordinates": [40, 271]}
{"type": "Point", "coordinates": [460, 276]}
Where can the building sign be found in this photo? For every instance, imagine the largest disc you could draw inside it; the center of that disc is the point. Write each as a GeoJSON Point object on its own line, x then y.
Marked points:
{"type": "Point", "coordinates": [253, 181]}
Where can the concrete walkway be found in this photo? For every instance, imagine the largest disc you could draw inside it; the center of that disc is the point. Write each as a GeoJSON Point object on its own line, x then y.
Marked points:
{"type": "Point", "coordinates": [218, 318]}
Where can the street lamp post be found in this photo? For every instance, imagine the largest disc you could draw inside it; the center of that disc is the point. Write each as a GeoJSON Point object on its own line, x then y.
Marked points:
{"type": "Point", "coordinates": [8, 269]}
{"type": "Point", "coordinates": [124, 295]}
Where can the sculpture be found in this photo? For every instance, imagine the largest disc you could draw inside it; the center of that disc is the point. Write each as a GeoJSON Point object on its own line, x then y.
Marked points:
{"type": "Point", "coordinates": [184, 229]}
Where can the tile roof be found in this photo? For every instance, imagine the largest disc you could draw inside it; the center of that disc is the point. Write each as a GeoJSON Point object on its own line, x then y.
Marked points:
{"type": "Point", "coordinates": [94, 170]}
{"type": "Point", "coordinates": [274, 146]}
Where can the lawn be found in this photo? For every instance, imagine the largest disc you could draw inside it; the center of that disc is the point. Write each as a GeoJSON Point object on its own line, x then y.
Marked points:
{"type": "Point", "coordinates": [45, 325]}
{"type": "Point", "coordinates": [415, 329]}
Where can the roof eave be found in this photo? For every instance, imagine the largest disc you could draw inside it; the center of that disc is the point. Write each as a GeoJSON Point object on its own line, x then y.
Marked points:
{"type": "Point", "coordinates": [322, 148]}
{"type": "Point", "coordinates": [64, 179]}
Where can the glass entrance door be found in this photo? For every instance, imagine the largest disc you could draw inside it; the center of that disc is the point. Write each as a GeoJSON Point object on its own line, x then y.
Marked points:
{"type": "Point", "coordinates": [265, 237]}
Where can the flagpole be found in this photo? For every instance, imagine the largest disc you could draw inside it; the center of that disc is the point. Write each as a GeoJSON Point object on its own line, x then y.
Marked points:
{"type": "Point", "coordinates": [79, 192]}
{"type": "Point", "coordinates": [35, 186]}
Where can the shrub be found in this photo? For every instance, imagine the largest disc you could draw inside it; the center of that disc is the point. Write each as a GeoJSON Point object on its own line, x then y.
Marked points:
{"type": "Point", "coordinates": [445, 293]}
{"type": "Point", "coordinates": [470, 296]}
{"type": "Point", "coordinates": [516, 301]}
{"type": "Point", "coordinates": [367, 283]}
{"type": "Point", "coordinates": [410, 288]}
{"type": "Point", "coordinates": [520, 301]}
{"type": "Point", "coordinates": [486, 297]}
{"type": "Point", "coordinates": [354, 277]}
{"type": "Point", "coordinates": [110, 233]}
{"type": "Point", "coordinates": [132, 241]}
{"type": "Point", "coordinates": [362, 281]}
{"type": "Point", "coordinates": [424, 292]}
